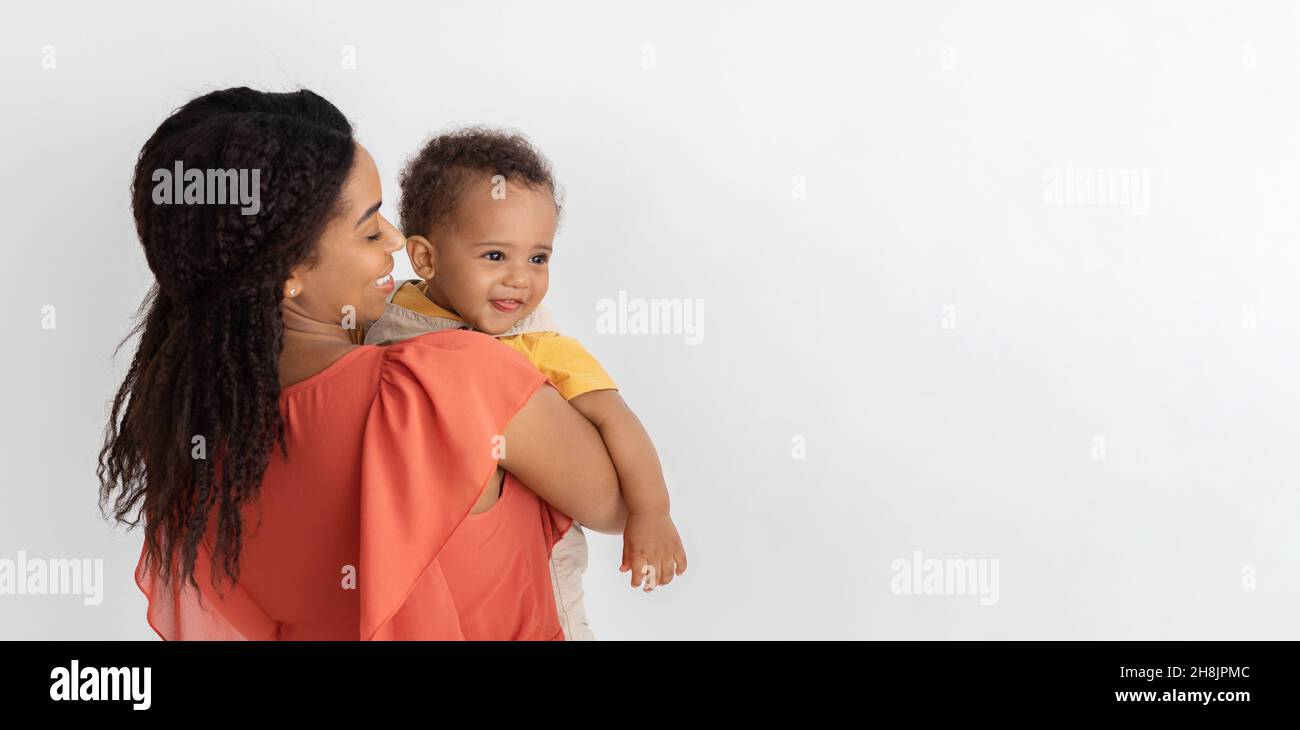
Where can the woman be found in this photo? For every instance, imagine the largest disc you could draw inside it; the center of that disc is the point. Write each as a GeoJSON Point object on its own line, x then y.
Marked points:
{"type": "Point", "coordinates": [295, 485]}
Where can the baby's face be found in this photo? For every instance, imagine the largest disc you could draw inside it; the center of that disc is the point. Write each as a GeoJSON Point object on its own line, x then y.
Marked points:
{"type": "Point", "coordinates": [492, 261]}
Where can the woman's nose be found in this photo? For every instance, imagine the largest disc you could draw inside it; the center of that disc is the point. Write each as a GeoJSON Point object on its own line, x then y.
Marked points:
{"type": "Point", "coordinates": [395, 238]}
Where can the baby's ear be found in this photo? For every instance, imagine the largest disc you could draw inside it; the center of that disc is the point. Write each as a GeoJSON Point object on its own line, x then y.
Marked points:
{"type": "Point", "coordinates": [423, 257]}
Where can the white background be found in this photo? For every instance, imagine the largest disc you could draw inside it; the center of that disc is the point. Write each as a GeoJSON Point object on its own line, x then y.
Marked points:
{"type": "Point", "coordinates": [923, 134]}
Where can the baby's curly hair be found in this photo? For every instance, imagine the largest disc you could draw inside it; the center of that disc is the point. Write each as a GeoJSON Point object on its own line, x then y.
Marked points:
{"type": "Point", "coordinates": [433, 180]}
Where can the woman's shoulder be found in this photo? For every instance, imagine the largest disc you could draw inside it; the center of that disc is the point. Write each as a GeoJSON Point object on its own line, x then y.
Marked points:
{"type": "Point", "coordinates": [456, 356]}
{"type": "Point", "coordinates": [458, 369]}
{"type": "Point", "coordinates": [453, 370]}
{"type": "Point", "coordinates": [447, 353]}
{"type": "Point", "coordinates": [449, 340]}
{"type": "Point", "coordinates": [312, 370]}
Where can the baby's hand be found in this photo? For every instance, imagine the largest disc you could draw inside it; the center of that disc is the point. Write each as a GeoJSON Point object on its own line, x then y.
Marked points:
{"type": "Point", "coordinates": [652, 550]}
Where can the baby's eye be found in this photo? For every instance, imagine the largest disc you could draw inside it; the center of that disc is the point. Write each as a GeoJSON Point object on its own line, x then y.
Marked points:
{"type": "Point", "coordinates": [538, 259]}
{"type": "Point", "coordinates": [494, 256]}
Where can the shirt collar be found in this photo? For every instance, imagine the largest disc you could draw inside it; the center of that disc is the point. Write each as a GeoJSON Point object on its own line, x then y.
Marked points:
{"type": "Point", "coordinates": [412, 295]}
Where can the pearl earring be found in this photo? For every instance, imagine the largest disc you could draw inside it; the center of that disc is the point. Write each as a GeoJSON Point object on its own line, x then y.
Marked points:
{"type": "Point", "coordinates": [293, 292]}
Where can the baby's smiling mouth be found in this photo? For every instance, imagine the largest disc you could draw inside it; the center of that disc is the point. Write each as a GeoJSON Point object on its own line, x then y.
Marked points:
{"type": "Point", "coordinates": [506, 305]}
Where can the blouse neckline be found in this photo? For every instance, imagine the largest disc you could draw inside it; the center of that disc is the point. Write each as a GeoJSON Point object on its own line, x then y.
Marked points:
{"type": "Point", "coordinates": [329, 370]}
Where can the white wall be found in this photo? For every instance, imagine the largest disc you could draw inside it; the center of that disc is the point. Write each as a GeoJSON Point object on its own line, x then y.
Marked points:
{"type": "Point", "coordinates": [949, 335]}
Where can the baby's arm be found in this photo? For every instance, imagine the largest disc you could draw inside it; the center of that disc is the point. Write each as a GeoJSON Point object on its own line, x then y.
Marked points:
{"type": "Point", "coordinates": [650, 537]}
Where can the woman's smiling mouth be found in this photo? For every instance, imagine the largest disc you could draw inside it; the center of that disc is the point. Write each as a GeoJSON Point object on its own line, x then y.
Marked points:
{"type": "Point", "coordinates": [385, 283]}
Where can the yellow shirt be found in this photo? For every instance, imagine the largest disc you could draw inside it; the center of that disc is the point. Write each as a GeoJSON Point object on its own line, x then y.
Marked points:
{"type": "Point", "coordinates": [563, 360]}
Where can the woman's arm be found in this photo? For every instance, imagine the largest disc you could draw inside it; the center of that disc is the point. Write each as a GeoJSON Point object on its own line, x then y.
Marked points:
{"type": "Point", "coordinates": [559, 455]}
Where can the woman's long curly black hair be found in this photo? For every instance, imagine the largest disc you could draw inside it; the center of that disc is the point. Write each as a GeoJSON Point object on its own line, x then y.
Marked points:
{"type": "Point", "coordinates": [211, 328]}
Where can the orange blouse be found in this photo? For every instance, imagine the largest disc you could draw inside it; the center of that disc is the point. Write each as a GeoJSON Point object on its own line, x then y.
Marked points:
{"type": "Point", "coordinates": [364, 531]}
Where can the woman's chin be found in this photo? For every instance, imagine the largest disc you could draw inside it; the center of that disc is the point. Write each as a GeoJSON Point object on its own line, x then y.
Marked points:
{"type": "Point", "coordinates": [372, 311]}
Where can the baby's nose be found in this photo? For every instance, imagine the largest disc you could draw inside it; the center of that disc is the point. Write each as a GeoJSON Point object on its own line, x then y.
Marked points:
{"type": "Point", "coordinates": [517, 278]}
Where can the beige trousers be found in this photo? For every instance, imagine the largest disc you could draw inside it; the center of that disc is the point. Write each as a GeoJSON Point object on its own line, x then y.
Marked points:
{"type": "Point", "coordinates": [568, 563]}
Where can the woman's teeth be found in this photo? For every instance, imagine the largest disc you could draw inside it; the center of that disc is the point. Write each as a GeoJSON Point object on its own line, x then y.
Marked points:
{"type": "Point", "coordinates": [384, 280]}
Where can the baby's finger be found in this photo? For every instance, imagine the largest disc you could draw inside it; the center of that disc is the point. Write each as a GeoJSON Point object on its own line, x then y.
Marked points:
{"type": "Point", "coordinates": [650, 577]}
{"type": "Point", "coordinates": [680, 554]}
{"type": "Point", "coordinates": [638, 570]}
{"type": "Point", "coordinates": [666, 570]}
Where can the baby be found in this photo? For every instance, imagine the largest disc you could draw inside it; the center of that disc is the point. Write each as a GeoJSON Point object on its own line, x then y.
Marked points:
{"type": "Point", "coordinates": [479, 210]}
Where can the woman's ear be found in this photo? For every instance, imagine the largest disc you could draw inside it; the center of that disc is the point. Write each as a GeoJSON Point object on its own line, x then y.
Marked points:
{"type": "Point", "coordinates": [423, 256]}
{"type": "Point", "coordinates": [293, 285]}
